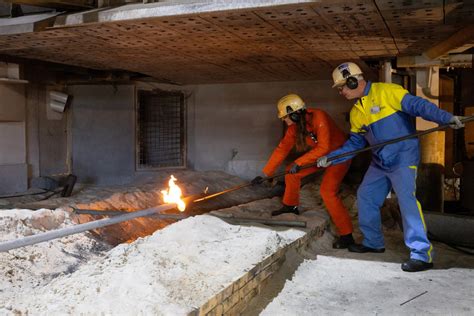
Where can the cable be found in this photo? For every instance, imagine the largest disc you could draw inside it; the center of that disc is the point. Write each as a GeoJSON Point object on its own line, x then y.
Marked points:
{"type": "Point", "coordinates": [36, 193]}
{"type": "Point", "coordinates": [24, 194]}
{"type": "Point", "coordinates": [52, 194]}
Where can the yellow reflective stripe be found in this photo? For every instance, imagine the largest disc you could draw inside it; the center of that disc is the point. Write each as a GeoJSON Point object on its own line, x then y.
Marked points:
{"type": "Point", "coordinates": [430, 259]}
{"type": "Point", "coordinates": [421, 215]}
{"type": "Point", "coordinates": [421, 212]}
{"type": "Point", "coordinates": [424, 227]}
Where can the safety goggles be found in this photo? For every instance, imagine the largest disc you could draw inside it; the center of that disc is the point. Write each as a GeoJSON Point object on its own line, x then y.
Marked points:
{"type": "Point", "coordinates": [339, 89]}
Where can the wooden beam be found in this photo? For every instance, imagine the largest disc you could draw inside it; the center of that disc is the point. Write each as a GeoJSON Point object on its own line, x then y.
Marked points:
{"type": "Point", "coordinates": [455, 60]}
{"type": "Point", "coordinates": [460, 38]}
{"type": "Point", "coordinates": [57, 4]}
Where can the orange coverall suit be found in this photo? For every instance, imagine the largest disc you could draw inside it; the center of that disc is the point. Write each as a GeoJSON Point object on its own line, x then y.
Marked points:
{"type": "Point", "coordinates": [328, 138]}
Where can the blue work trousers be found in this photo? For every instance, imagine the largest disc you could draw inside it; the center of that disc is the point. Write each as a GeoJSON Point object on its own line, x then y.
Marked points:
{"type": "Point", "coordinates": [370, 197]}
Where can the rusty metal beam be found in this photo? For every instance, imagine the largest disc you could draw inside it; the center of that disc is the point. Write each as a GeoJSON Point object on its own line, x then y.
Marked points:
{"type": "Point", "coordinates": [57, 4]}
{"type": "Point", "coordinates": [460, 38]}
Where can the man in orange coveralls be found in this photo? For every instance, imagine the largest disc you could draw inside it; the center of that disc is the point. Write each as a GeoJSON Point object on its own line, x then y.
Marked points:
{"type": "Point", "coordinates": [313, 133]}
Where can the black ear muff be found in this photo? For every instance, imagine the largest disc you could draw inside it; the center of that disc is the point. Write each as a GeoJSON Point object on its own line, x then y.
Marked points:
{"type": "Point", "coordinates": [295, 116]}
{"type": "Point", "coordinates": [352, 83]}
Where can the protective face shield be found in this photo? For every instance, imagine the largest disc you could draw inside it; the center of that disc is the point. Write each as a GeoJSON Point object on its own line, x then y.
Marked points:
{"type": "Point", "coordinates": [346, 74]}
{"type": "Point", "coordinates": [290, 105]}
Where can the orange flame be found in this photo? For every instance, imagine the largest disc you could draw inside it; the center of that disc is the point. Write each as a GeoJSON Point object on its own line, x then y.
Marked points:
{"type": "Point", "coordinates": [173, 194]}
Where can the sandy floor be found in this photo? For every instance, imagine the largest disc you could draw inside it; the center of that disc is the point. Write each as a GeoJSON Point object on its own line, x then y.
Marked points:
{"type": "Point", "coordinates": [171, 272]}
{"type": "Point", "coordinates": [175, 268]}
{"type": "Point", "coordinates": [332, 285]}
{"type": "Point", "coordinates": [341, 282]}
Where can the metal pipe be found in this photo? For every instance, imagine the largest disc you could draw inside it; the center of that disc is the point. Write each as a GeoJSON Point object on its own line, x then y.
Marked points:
{"type": "Point", "coordinates": [38, 238]}
{"type": "Point", "coordinates": [223, 192]}
{"type": "Point", "coordinates": [266, 221]}
{"type": "Point", "coordinates": [355, 152]}
{"type": "Point", "coordinates": [117, 213]}
{"type": "Point", "coordinates": [395, 140]}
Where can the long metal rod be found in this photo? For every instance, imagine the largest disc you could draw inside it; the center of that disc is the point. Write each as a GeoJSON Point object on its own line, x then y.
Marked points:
{"type": "Point", "coordinates": [38, 238]}
{"type": "Point", "coordinates": [395, 140]}
{"type": "Point", "coordinates": [388, 142]}
{"type": "Point", "coordinates": [240, 220]}
{"type": "Point", "coordinates": [355, 152]}
{"type": "Point", "coordinates": [223, 192]}
{"type": "Point", "coordinates": [118, 213]}
{"type": "Point", "coordinates": [266, 221]}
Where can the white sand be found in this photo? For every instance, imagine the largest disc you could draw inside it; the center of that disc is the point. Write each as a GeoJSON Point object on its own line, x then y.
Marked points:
{"type": "Point", "coordinates": [330, 286]}
{"type": "Point", "coordinates": [171, 272]}
{"type": "Point", "coordinates": [34, 266]}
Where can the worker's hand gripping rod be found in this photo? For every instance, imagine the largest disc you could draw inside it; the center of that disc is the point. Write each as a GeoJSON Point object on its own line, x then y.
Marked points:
{"type": "Point", "coordinates": [352, 153]}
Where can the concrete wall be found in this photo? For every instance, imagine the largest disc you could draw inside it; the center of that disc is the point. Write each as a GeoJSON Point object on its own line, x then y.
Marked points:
{"type": "Point", "coordinates": [33, 103]}
{"type": "Point", "coordinates": [230, 127]}
{"type": "Point", "coordinates": [103, 133]}
{"type": "Point", "coordinates": [234, 127]}
{"type": "Point", "coordinates": [53, 136]}
{"type": "Point", "coordinates": [13, 170]}
{"type": "Point", "coordinates": [46, 134]}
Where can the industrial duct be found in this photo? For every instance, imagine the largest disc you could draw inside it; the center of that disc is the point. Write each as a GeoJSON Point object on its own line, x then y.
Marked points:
{"type": "Point", "coordinates": [58, 101]}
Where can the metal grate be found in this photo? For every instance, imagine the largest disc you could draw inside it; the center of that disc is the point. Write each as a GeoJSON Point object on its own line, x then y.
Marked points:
{"type": "Point", "coordinates": [161, 130]}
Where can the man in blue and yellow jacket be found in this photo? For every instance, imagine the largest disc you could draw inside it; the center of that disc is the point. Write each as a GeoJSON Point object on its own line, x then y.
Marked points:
{"type": "Point", "coordinates": [382, 112]}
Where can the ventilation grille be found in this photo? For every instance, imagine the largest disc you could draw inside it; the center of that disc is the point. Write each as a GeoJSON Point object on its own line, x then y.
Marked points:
{"type": "Point", "coordinates": [161, 130]}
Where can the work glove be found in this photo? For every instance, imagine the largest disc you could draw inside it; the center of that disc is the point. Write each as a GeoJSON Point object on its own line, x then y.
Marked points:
{"type": "Point", "coordinates": [455, 122]}
{"type": "Point", "coordinates": [323, 162]}
{"type": "Point", "coordinates": [257, 180]}
{"type": "Point", "coordinates": [294, 168]}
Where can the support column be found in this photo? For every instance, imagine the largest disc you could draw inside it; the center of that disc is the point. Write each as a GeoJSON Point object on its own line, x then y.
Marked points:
{"type": "Point", "coordinates": [385, 73]}
{"type": "Point", "coordinates": [431, 170]}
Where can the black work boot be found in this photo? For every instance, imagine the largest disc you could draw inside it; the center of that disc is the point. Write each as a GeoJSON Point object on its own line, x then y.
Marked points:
{"type": "Point", "coordinates": [286, 209]}
{"type": "Point", "coordinates": [363, 249]}
{"type": "Point", "coordinates": [414, 265]}
{"type": "Point", "coordinates": [343, 242]}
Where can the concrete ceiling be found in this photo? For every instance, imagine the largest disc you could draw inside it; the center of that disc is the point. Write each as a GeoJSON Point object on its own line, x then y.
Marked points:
{"type": "Point", "coordinates": [190, 42]}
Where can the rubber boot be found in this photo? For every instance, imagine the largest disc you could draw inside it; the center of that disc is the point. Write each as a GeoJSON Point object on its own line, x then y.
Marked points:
{"type": "Point", "coordinates": [414, 265]}
{"type": "Point", "coordinates": [363, 249]}
{"type": "Point", "coordinates": [343, 242]}
{"type": "Point", "coordinates": [286, 209]}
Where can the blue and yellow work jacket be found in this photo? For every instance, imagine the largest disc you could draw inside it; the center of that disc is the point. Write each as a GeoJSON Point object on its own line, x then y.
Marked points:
{"type": "Point", "coordinates": [384, 113]}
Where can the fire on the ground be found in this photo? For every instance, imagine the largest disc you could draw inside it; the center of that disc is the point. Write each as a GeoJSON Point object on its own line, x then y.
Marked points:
{"type": "Point", "coordinates": [173, 194]}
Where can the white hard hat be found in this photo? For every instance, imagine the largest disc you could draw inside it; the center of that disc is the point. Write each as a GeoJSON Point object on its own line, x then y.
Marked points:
{"type": "Point", "coordinates": [344, 71]}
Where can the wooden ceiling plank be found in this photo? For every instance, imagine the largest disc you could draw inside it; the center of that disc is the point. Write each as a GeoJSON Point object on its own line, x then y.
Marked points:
{"type": "Point", "coordinates": [460, 38]}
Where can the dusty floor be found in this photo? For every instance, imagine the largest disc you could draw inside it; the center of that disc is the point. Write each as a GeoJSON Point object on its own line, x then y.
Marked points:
{"type": "Point", "coordinates": [48, 267]}
{"type": "Point", "coordinates": [333, 285]}
{"type": "Point", "coordinates": [171, 272]}
{"type": "Point", "coordinates": [327, 281]}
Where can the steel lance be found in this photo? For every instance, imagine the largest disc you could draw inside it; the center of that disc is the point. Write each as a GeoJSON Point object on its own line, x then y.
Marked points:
{"type": "Point", "coordinates": [66, 231]}
{"type": "Point", "coordinates": [392, 141]}
{"type": "Point", "coordinates": [355, 152]}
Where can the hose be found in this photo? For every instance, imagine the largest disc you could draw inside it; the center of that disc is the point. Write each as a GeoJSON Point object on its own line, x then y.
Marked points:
{"type": "Point", "coordinates": [462, 249]}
